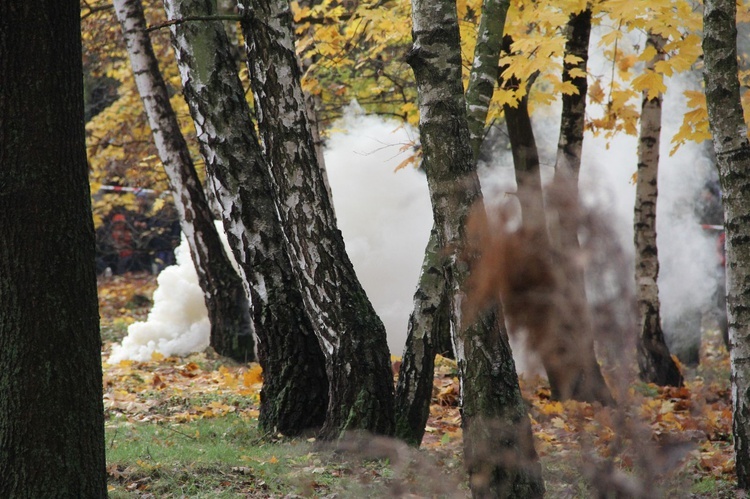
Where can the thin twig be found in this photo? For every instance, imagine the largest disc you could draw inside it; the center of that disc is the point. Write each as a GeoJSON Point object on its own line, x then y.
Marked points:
{"type": "Point", "coordinates": [214, 17]}
{"type": "Point", "coordinates": [180, 432]}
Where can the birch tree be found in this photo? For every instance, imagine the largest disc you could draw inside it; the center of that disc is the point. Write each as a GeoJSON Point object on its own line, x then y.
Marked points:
{"type": "Point", "coordinates": [654, 361]}
{"type": "Point", "coordinates": [429, 322]}
{"type": "Point", "coordinates": [295, 389]}
{"type": "Point", "coordinates": [351, 334]}
{"type": "Point", "coordinates": [224, 295]}
{"type": "Point", "coordinates": [51, 410]}
{"type": "Point", "coordinates": [498, 447]}
{"type": "Point", "coordinates": [732, 149]}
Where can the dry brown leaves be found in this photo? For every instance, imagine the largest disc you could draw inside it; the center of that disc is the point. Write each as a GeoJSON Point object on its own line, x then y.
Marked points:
{"type": "Point", "coordinates": [691, 426]}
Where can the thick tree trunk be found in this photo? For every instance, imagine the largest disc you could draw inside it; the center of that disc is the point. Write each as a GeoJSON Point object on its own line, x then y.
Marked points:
{"type": "Point", "coordinates": [574, 324]}
{"type": "Point", "coordinates": [351, 334]}
{"type": "Point", "coordinates": [570, 142]}
{"type": "Point", "coordinates": [733, 160]}
{"type": "Point", "coordinates": [654, 361]}
{"type": "Point", "coordinates": [225, 297]}
{"type": "Point", "coordinates": [498, 445]}
{"type": "Point", "coordinates": [429, 323]}
{"type": "Point", "coordinates": [51, 411]}
{"type": "Point", "coordinates": [295, 387]}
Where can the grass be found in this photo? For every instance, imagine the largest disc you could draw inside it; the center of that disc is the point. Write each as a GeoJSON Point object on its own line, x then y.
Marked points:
{"type": "Point", "coordinates": [226, 457]}
{"type": "Point", "coordinates": [187, 427]}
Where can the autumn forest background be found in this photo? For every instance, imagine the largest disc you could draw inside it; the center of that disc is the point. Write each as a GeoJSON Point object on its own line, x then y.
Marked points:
{"type": "Point", "coordinates": [398, 249]}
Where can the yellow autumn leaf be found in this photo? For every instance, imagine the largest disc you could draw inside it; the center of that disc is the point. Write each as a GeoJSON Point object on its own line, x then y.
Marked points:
{"type": "Point", "coordinates": [552, 407]}
{"type": "Point", "coordinates": [624, 63]}
{"type": "Point", "coordinates": [648, 53]}
{"type": "Point", "coordinates": [650, 82]}
{"type": "Point", "coordinates": [252, 376]}
{"type": "Point", "coordinates": [577, 73]}
{"type": "Point", "coordinates": [596, 92]}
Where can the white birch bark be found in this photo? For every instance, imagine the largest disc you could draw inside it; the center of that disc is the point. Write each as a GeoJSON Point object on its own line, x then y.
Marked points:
{"type": "Point", "coordinates": [295, 387]}
{"type": "Point", "coordinates": [429, 322]}
{"type": "Point", "coordinates": [733, 161]}
{"type": "Point", "coordinates": [494, 415]}
{"type": "Point", "coordinates": [352, 335]}
{"type": "Point", "coordinates": [226, 300]}
{"type": "Point", "coordinates": [655, 363]}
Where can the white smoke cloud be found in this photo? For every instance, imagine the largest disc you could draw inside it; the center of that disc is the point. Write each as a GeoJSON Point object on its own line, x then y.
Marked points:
{"type": "Point", "coordinates": [385, 218]}
{"type": "Point", "coordinates": [178, 322]}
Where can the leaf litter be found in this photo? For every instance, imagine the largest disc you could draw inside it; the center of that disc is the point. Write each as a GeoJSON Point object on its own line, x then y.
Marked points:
{"type": "Point", "coordinates": [688, 430]}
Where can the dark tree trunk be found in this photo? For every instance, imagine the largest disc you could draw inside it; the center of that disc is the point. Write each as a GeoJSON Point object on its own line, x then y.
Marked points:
{"type": "Point", "coordinates": [575, 321]}
{"type": "Point", "coordinates": [225, 297]}
{"type": "Point", "coordinates": [498, 445]}
{"type": "Point", "coordinates": [351, 334]}
{"type": "Point", "coordinates": [428, 330]}
{"type": "Point", "coordinates": [295, 388]}
{"type": "Point", "coordinates": [51, 411]}
{"type": "Point", "coordinates": [526, 163]}
{"type": "Point", "coordinates": [655, 362]}
{"type": "Point", "coordinates": [732, 149]}
{"type": "Point", "coordinates": [565, 340]}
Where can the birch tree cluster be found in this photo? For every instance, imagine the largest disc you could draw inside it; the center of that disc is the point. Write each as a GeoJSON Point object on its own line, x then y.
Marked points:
{"type": "Point", "coordinates": [226, 104]}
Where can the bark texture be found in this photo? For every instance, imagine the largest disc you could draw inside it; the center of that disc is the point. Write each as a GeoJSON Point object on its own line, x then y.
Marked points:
{"type": "Point", "coordinates": [223, 291]}
{"type": "Point", "coordinates": [429, 325]}
{"type": "Point", "coordinates": [733, 161]}
{"type": "Point", "coordinates": [295, 389]}
{"type": "Point", "coordinates": [51, 411]}
{"type": "Point", "coordinates": [573, 120]}
{"type": "Point", "coordinates": [351, 334]}
{"type": "Point", "coordinates": [484, 70]}
{"type": "Point", "coordinates": [498, 446]}
{"type": "Point", "coordinates": [654, 361]}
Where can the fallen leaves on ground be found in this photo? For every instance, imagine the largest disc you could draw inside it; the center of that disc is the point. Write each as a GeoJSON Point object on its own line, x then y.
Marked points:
{"type": "Point", "coordinates": [686, 428]}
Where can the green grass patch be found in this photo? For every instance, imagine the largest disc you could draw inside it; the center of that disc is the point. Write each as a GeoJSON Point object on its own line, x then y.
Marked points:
{"type": "Point", "coordinates": [227, 457]}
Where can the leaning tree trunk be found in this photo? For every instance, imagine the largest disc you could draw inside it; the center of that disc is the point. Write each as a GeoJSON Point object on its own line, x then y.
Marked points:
{"type": "Point", "coordinates": [574, 323]}
{"type": "Point", "coordinates": [223, 291]}
{"type": "Point", "coordinates": [733, 161]}
{"type": "Point", "coordinates": [51, 412]}
{"type": "Point", "coordinates": [295, 387]}
{"type": "Point", "coordinates": [654, 361]}
{"type": "Point", "coordinates": [429, 323]}
{"type": "Point", "coordinates": [351, 334]}
{"type": "Point", "coordinates": [498, 445]}
{"type": "Point", "coordinates": [484, 70]}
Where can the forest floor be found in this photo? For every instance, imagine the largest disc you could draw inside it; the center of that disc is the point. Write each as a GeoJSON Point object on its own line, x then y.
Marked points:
{"type": "Point", "coordinates": [186, 427]}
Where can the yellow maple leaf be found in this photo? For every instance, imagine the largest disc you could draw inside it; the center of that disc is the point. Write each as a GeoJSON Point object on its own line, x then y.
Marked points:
{"type": "Point", "coordinates": [650, 82]}
{"type": "Point", "coordinates": [624, 63]}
